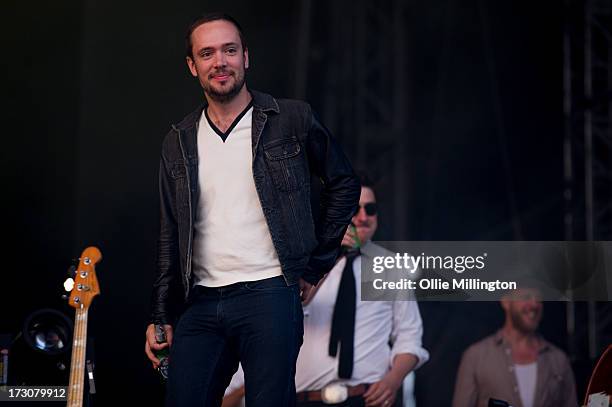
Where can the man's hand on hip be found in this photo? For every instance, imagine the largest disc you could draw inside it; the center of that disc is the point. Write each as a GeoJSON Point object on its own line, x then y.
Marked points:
{"type": "Point", "coordinates": [382, 393]}
{"type": "Point", "coordinates": [306, 291]}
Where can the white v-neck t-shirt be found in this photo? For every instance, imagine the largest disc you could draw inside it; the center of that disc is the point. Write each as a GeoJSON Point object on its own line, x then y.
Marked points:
{"type": "Point", "coordinates": [232, 242]}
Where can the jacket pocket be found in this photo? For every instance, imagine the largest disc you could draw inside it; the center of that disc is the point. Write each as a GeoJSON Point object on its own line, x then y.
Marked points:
{"type": "Point", "coordinates": [177, 169]}
{"type": "Point", "coordinates": [285, 160]}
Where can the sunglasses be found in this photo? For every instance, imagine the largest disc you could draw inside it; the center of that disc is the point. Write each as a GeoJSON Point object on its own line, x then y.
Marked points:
{"type": "Point", "coordinates": [370, 208]}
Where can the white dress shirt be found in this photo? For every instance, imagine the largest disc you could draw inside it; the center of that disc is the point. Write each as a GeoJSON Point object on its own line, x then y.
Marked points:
{"type": "Point", "coordinates": [377, 323]}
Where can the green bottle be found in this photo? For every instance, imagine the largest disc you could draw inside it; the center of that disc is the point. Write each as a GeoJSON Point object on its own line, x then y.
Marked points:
{"type": "Point", "coordinates": [162, 354]}
{"type": "Point", "coordinates": [357, 240]}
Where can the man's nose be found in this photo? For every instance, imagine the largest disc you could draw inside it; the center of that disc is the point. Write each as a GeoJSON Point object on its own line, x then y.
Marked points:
{"type": "Point", "coordinates": [361, 215]}
{"type": "Point", "coordinates": [533, 303]}
{"type": "Point", "coordinates": [220, 59]}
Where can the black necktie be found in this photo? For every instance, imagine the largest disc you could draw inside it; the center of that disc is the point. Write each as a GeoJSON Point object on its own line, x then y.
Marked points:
{"type": "Point", "coordinates": [343, 320]}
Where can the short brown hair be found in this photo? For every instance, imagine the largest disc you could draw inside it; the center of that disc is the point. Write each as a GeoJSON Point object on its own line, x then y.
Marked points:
{"type": "Point", "coordinates": [207, 18]}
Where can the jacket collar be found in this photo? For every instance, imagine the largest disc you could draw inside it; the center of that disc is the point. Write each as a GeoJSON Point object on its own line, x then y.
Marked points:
{"type": "Point", "coordinates": [501, 341]}
{"type": "Point", "coordinates": [261, 101]}
{"type": "Point", "coordinates": [264, 102]}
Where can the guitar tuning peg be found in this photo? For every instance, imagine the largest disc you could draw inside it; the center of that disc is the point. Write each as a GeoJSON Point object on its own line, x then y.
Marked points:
{"type": "Point", "coordinates": [72, 271]}
{"type": "Point", "coordinates": [64, 297]}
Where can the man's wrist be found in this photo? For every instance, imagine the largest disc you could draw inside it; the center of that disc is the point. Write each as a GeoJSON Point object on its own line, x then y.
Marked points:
{"type": "Point", "coordinates": [395, 379]}
{"type": "Point", "coordinates": [310, 277]}
{"type": "Point", "coordinates": [403, 364]}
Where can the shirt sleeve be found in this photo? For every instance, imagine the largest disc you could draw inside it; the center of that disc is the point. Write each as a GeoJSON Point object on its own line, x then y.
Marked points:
{"type": "Point", "coordinates": [236, 382]}
{"type": "Point", "coordinates": [569, 383]}
{"type": "Point", "coordinates": [466, 390]}
{"type": "Point", "coordinates": [339, 199]}
{"type": "Point", "coordinates": [407, 331]}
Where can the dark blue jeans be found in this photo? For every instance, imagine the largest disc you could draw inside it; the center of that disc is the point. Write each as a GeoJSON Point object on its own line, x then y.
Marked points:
{"type": "Point", "coordinates": [258, 323]}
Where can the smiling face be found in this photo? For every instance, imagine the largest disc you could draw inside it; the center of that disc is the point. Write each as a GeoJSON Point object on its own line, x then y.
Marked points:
{"type": "Point", "coordinates": [365, 224]}
{"type": "Point", "coordinates": [523, 310]}
{"type": "Point", "coordinates": [219, 61]}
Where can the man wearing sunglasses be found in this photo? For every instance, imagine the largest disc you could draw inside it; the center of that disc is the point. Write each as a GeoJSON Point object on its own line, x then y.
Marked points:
{"type": "Point", "coordinates": [356, 352]}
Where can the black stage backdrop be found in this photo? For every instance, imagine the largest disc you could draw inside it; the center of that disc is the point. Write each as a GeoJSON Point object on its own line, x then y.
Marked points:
{"type": "Point", "coordinates": [90, 88]}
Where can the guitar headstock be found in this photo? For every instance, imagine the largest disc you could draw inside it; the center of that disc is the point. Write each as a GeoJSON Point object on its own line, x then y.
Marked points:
{"type": "Point", "coordinates": [85, 280]}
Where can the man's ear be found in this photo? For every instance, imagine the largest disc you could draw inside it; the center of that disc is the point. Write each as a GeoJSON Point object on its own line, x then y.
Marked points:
{"type": "Point", "coordinates": [192, 67]}
{"type": "Point", "coordinates": [246, 59]}
{"type": "Point", "coordinates": [505, 303]}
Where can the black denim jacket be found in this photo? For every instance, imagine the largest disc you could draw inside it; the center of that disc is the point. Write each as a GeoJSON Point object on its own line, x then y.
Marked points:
{"type": "Point", "coordinates": [289, 145]}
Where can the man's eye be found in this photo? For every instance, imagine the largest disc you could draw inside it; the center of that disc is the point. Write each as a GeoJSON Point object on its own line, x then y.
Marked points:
{"type": "Point", "coordinates": [206, 54]}
{"type": "Point", "coordinates": [231, 51]}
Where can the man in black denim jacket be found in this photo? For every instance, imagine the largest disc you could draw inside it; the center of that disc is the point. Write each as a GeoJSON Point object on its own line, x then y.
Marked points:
{"type": "Point", "coordinates": [253, 320]}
